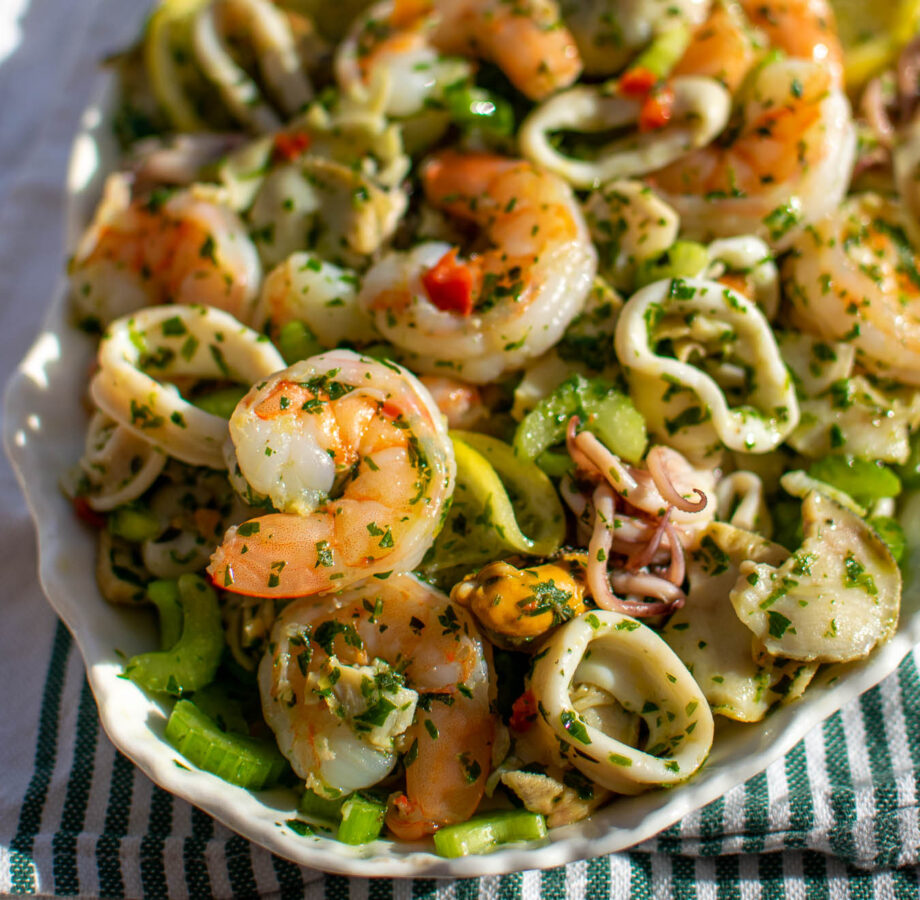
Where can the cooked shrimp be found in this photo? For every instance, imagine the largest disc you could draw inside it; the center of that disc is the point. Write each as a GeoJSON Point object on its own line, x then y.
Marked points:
{"type": "Point", "coordinates": [392, 52]}
{"type": "Point", "coordinates": [697, 107]}
{"type": "Point", "coordinates": [459, 401]}
{"type": "Point", "coordinates": [610, 32]}
{"type": "Point", "coordinates": [722, 48]}
{"type": "Point", "coordinates": [307, 288]}
{"type": "Point", "coordinates": [787, 163]}
{"type": "Point", "coordinates": [489, 314]}
{"type": "Point", "coordinates": [527, 40]}
{"type": "Point", "coordinates": [354, 455]}
{"type": "Point", "coordinates": [853, 277]}
{"type": "Point", "coordinates": [725, 47]}
{"type": "Point", "coordinates": [396, 666]}
{"type": "Point", "coordinates": [804, 29]}
{"type": "Point", "coordinates": [169, 247]}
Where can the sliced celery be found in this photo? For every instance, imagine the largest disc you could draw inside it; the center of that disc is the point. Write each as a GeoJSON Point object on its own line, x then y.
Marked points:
{"type": "Point", "coordinates": [221, 402]}
{"type": "Point", "coordinates": [359, 816]}
{"type": "Point", "coordinates": [545, 424]}
{"type": "Point", "coordinates": [863, 479]}
{"type": "Point", "coordinates": [475, 107]}
{"type": "Point", "coordinates": [164, 595]}
{"type": "Point", "coordinates": [296, 342]}
{"type": "Point", "coordinates": [601, 408]}
{"type": "Point", "coordinates": [665, 51]}
{"type": "Point", "coordinates": [134, 523]}
{"type": "Point", "coordinates": [555, 464]}
{"type": "Point", "coordinates": [216, 702]}
{"type": "Point", "coordinates": [484, 834]}
{"type": "Point", "coordinates": [362, 818]}
{"type": "Point", "coordinates": [683, 259]}
{"type": "Point", "coordinates": [237, 758]}
{"type": "Point", "coordinates": [320, 808]}
{"type": "Point", "coordinates": [618, 423]}
{"type": "Point", "coordinates": [192, 661]}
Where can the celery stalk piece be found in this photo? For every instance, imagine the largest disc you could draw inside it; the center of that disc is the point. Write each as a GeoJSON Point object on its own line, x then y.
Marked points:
{"type": "Point", "coordinates": [134, 523]}
{"type": "Point", "coordinates": [320, 808]}
{"type": "Point", "coordinates": [296, 342]}
{"type": "Point", "coordinates": [239, 759]}
{"type": "Point", "coordinates": [602, 409]}
{"type": "Point", "coordinates": [555, 464]}
{"type": "Point", "coordinates": [216, 703]}
{"type": "Point", "coordinates": [863, 479]}
{"type": "Point", "coordinates": [192, 661]}
{"type": "Point", "coordinates": [665, 51]}
{"type": "Point", "coordinates": [484, 834]}
{"type": "Point", "coordinates": [475, 107]}
{"type": "Point", "coordinates": [362, 819]}
{"type": "Point", "coordinates": [683, 259]}
{"type": "Point", "coordinates": [358, 817]}
{"type": "Point", "coordinates": [164, 595]}
{"type": "Point", "coordinates": [618, 423]}
{"type": "Point", "coordinates": [221, 402]}
{"type": "Point", "coordinates": [545, 424]}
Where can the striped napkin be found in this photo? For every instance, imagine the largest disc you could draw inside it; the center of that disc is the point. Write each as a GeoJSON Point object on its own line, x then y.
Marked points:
{"type": "Point", "coordinates": [837, 817]}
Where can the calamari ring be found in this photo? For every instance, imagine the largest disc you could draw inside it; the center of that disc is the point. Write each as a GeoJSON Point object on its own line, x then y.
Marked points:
{"type": "Point", "coordinates": [197, 341]}
{"type": "Point", "coordinates": [752, 256]}
{"type": "Point", "coordinates": [276, 50]}
{"type": "Point", "coordinates": [119, 465]}
{"type": "Point", "coordinates": [740, 498]}
{"type": "Point", "coordinates": [771, 411]}
{"type": "Point", "coordinates": [701, 110]}
{"type": "Point", "coordinates": [631, 662]}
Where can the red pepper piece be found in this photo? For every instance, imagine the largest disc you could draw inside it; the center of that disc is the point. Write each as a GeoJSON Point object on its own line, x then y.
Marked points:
{"type": "Point", "coordinates": [289, 147]}
{"type": "Point", "coordinates": [637, 82]}
{"type": "Point", "coordinates": [657, 110]}
{"type": "Point", "coordinates": [523, 712]}
{"type": "Point", "coordinates": [85, 513]}
{"type": "Point", "coordinates": [449, 284]}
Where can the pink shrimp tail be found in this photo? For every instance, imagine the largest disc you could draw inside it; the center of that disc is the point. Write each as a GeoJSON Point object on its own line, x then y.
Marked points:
{"type": "Point", "coordinates": [406, 821]}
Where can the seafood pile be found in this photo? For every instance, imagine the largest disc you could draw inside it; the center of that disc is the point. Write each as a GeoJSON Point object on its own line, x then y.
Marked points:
{"type": "Point", "coordinates": [491, 396]}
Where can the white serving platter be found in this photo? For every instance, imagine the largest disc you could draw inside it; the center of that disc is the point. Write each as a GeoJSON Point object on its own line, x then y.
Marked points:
{"type": "Point", "coordinates": [44, 426]}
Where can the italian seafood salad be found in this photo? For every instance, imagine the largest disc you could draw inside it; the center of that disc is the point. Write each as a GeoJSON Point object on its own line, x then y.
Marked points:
{"type": "Point", "coordinates": [492, 394]}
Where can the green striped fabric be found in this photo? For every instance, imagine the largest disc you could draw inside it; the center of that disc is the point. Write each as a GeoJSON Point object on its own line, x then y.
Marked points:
{"type": "Point", "coordinates": [837, 817]}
